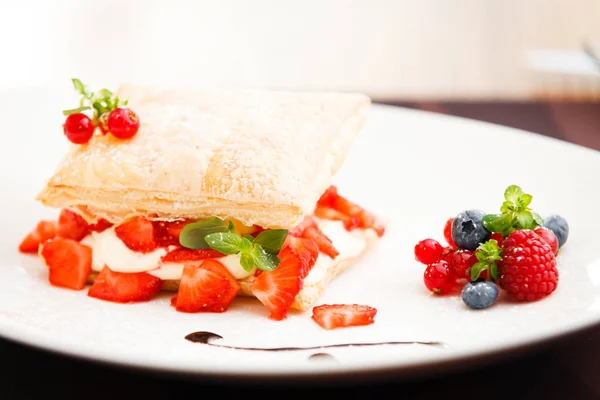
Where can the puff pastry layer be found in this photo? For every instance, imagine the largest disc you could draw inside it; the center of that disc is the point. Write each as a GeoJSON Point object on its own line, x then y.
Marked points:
{"type": "Point", "coordinates": [260, 157]}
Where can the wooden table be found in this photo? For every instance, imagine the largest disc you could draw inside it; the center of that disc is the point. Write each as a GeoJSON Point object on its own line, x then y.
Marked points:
{"type": "Point", "coordinates": [564, 369]}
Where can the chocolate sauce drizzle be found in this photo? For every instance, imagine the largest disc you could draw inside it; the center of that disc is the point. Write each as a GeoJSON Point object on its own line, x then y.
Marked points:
{"type": "Point", "coordinates": [206, 337]}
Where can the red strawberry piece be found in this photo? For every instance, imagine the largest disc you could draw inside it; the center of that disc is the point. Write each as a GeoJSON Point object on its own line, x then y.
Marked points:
{"type": "Point", "coordinates": [349, 222]}
{"type": "Point", "coordinates": [69, 262]}
{"type": "Point", "coordinates": [137, 234]}
{"type": "Point", "coordinates": [121, 287]}
{"type": "Point", "coordinates": [184, 255]}
{"type": "Point", "coordinates": [528, 268]}
{"type": "Point", "coordinates": [43, 231]}
{"type": "Point", "coordinates": [448, 233]}
{"type": "Point", "coordinates": [72, 225]}
{"type": "Point", "coordinates": [207, 287]}
{"type": "Point", "coordinates": [277, 289]}
{"type": "Point", "coordinates": [166, 233]}
{"type": "Point", "coordinates": [549, 237]}
{"type": "Point", "coordinates": [332, 199]}
{"type": "Point", "coordinates": [309, 229]}
{"type": "Point", "coordinates": [461, 262]}
{"type": "Point", "coordinates": [331, 316]}
{"type": "Point", "coordinates": [100, 226]}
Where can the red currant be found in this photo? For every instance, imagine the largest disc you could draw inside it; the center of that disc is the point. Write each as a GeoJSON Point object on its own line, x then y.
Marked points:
{"type": "Point", "coordinates": [103, 123]}
{"type": "Point", "coordinates": [123, 123]}
{"type": "Point", "coordinates": [428, 251]}
{"type": "Point", "coordinates": [78, 128]}
{"type": "Point", "coordinates": [549, 237]}
{"type": "Point", "coordinates": [448, 233]}
{"type": "Point", "coordinates": [497, 236]}
{"type": "Point", "coordinates": [439, 278]}
{"type": "Point", "coordinates": [461, 263]}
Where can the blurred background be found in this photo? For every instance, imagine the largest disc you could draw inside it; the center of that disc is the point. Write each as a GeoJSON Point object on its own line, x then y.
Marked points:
{"type": "Point", "coordinates": [391, 49]}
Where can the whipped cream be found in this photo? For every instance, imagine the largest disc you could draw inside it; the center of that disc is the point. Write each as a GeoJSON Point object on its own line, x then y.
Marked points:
{"type": "Point", "coordinates": [173, 271]}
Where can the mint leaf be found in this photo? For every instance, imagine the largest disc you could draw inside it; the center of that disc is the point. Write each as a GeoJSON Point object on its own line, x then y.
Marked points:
{"type": "Point", "coordinates": [494, 271]}
{"type": "Point", "coordinates": [249, 237]}
{"type": "Point", "coordinates": [231, 227]}
{"type": "Point", "coordinates": [75, 110]}
{"type": "Point", "coordinates": [512, 193]}
{"type": "Point", "coordinates": [271, 240]}
{"type": "Point", "coordinates": [245, 244]}
{"type": "Point", "coordinates": [224, 242]}
{"type": "Point", "coordinates": [80, 87]}
{"type": "Point", "coordinates": [525, 220]}
{"type": "Point", "coordinates": [192, 235]}
{"type": "Point", "coordinates": [497, 222]}
{"type": "Point", "coordinates": [477, 269]}
{"type": "Point", "coordinates": [537, 218]}
{"type": "Point", "coordinates": [524, 200]}
{"type": "Point", "coordinates": [247, 261]}
{"type": "Point", "coordinates": [264, 260]}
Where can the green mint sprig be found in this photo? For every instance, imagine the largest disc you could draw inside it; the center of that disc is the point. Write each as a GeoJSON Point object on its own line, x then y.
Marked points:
{"type": "Point", "coordinates": [103, 101]}
{"type": "Point", "coordinates": [515, 213]}
{"type": "Point", "coordinates": [488, 254]}
{"type": "Point", "coordinates": [260, 251]}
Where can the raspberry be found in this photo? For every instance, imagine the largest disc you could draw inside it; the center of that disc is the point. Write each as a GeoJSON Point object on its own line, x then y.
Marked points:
{"type": "Point", "coordinates": [461, 262]}
{"type": "Point", "coordinates": [528, 268]}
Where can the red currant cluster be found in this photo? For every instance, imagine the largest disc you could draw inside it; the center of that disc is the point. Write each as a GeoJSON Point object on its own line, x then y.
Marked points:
{"type": "Point", "coordinates": [108, 115]}
{"type": "Point", "coordinates": [446, 266]}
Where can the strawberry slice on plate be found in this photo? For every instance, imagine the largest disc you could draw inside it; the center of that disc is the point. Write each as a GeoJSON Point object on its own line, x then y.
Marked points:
{"type": "Point", "coordinates": [137, 234]}
{"type": "Point", "coordinates": [207, 287]}
{"type": "Point", "coordinates": [71, 225]}
{"type": "Point", "coordinates": [331, 316]}
{"type": "Point", "coordinates": [184, 255]}
{"type": "Point", "coordinates": [43, 231]}
{"type": "Point", "coordinates": [121, 287]}
{"type": "Point", "coordinates": [277, 289]}
{"type": "Point", "coordinates": [69, 262]}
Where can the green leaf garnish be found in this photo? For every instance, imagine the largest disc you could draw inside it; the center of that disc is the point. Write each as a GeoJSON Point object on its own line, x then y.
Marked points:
{"type": "Point", "coordinates": [247, 261]}
{"type": "Point", "coordinates": [66, 113]}
{"type": "Point", "coordinates": [488, 254]}
{"type": "Point", "coordinates": [246, 244]}
{"type": "Point", "coordinates": [515, 213]}
{"type": "Point", "coordinates": [264, 261]}
{"type": "Point", "coordinates": [192, 235]}
{"type": "Point", "coordinates": [271, 240]}
{"type": "Point", "coordinates": [224, 242]}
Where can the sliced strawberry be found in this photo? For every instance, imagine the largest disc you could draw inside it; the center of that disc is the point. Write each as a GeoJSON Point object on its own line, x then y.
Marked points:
{"type": "Point", "coordinates": [69, 262]}
{"type": "Point", "coordinates": [182, 255]}
{"type": "Point", "coordinates": [331, 316]}
{"type": "Point", "coordinates": [166, 233]}
{"type": "Point", "coordinates": [121, 287]}
{"type": "Point", "coordinates": [100, 226]}
{"type": "Point", "coordinates": [71, 225]}
{"type": "Point", "coordinates": [137, 234]}
{"type": "Point", "coordinates": [331, 199]}
{"type": "Point", "coordinates": [309, 229]}
{"type": "Point", "coordinates": [208, 287]}
{"type": "Point", "coordinates": [43, 231]}
{"type": "Point", "coordinates": [277, 289]}
{"type": "Point", "coordinates": [350, 223]}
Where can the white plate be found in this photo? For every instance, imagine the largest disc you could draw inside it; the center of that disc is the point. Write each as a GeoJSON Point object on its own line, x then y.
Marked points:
{"type": "Point", "coordinates": [415, 168]}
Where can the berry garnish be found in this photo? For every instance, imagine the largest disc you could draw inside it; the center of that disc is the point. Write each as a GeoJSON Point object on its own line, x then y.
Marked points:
{"type": "Point", "coordinates": [102, 104]}
{"type": "Point", "coordinates": [488, 255]}
{"type": "Point", "coordinates": [515, 213]}
{"type": "Point", "coordinates": [549, 237]}
{"type": "Point", "coordinates": [468, 231]}
{"type": "Point", "coordinates": [448, 233]}
{"type": "Point", "coordinates": [559, 226]}
{"type": "Point", "coordinates": [123, 123]}
{"type": "Point", "coordinates": [461, 262]}
{"type": "Point", "coordinates": [528, 268]}
{"type": "Point", "coordinates": [428, 251]}
{"type": "Point", "coordinates": [438, 277]}
{"type": "Point", "coordinates": [78, 128]}
{"type": "Point", "coordinates": [479, 294]}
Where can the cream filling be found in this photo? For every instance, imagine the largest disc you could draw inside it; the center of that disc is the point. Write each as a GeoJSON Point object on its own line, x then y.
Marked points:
{"type": "Point", "coordinates": [109, 250]}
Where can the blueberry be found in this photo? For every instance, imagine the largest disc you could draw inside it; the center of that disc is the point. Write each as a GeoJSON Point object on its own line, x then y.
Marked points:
{"type": "Point", "coordinates": [467, 230]}
{"type": "Point", "coordinates": [480, 294]}
{"type": "Point", "coordinates": [559, 226]}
